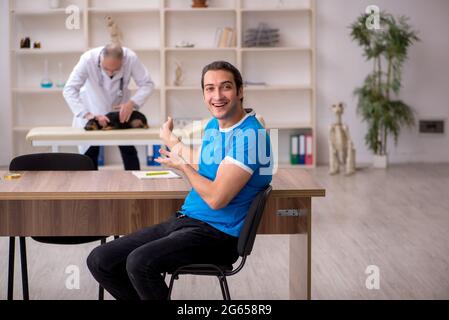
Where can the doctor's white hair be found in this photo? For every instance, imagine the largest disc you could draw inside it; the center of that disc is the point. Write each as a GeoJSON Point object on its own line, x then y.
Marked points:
{"type": "Point", "coordinates": [113, 50]}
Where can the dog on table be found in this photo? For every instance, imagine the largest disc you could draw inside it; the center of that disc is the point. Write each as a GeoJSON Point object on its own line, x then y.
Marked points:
{"type": "Point", "coordinates": [137, 120]}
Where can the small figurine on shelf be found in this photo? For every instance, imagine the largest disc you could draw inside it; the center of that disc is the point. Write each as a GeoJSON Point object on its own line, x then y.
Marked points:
{"type": "Point", "coordinates": [199, 4]}
{"type": "Point", "coordinates": [179, 77]}
{"type": "Point", "coordinates": [25, 43]}
{"type": "Point", "coordinates": [184, 44]}
{"type": "Point", "coordinates": [36, 45]}
{"type": "Point", "coordinates": [115, 33]}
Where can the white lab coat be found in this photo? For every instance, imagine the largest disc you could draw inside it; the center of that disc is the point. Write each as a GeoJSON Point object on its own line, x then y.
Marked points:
{"type": "Point", "coordinates": [90, 89]}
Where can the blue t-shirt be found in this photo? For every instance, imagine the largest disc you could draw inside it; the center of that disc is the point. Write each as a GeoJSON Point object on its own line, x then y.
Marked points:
{"type": "Point", "coordinates": [246, 144]}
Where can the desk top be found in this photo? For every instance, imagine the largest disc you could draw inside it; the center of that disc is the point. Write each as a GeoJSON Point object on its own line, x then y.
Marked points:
{"type": "Point", "coordinates": [111, 184]}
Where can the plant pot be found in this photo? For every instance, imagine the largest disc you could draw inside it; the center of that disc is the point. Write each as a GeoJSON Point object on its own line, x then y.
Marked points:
{"type": "Point", "coordinates": [380, 162]}
{"type": "Point", "coordinates": [199, 4]}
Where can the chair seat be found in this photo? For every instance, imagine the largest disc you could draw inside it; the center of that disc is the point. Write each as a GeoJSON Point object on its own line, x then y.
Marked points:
{"type": "Point", "coordinates": [68, 240]}
{"type": "Point", "coordinates": [204, 269]}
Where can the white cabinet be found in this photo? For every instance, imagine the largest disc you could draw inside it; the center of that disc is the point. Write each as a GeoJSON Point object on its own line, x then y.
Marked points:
{"type": "Point", "coordinates": [282, 77]}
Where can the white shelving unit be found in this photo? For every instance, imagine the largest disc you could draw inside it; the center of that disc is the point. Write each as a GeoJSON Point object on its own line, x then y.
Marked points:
{"type": "Point", "coordinates": [153, 28]}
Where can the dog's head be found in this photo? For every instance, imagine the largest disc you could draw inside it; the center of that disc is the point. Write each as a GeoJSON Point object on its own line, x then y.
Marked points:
{"type": "Point", "coordinates": [91, 125]}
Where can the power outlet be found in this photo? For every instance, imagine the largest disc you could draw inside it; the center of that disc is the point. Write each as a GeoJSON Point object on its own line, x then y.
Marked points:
{"type": "Point", "coordinates": [431, 126]}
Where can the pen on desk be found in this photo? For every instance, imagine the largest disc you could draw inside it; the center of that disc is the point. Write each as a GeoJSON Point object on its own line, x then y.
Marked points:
{"type": "Point", "coordinates": [155, 173]}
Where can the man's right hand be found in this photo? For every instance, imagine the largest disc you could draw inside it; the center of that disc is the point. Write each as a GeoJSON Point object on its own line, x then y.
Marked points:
{"type": "Point", "coordinates": [102, 120]}
{"type": "Point", "coordinates": [166, 133]}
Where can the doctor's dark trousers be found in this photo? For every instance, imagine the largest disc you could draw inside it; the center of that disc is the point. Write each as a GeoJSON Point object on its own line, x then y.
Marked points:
{"type": "Point", "coordinates": [129, 156]}
{"type": "Point", "coordinates": [130, 267]}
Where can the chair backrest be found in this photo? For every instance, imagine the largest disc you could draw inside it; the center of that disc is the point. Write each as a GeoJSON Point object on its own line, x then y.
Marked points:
{"type": "Point", "coordinates": [52, 161]}
{"type": "Point", "coordinates": [252, 221]}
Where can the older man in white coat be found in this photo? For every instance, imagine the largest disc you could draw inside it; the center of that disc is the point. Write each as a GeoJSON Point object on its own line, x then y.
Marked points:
{"type": "Point", "coordinates": [99, 84]}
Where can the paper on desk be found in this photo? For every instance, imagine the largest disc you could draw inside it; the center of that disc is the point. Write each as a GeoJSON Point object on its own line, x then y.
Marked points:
{"type": "Point", "coordinates": [148, 174]}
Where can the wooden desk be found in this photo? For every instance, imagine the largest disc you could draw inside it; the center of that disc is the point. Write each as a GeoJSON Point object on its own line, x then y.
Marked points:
{"type": "Point", "coordinates": [83, 203]}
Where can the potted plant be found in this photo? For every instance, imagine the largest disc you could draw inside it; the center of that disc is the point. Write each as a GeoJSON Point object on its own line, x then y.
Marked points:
{"type": "Point", "coordinates": [378, 102]}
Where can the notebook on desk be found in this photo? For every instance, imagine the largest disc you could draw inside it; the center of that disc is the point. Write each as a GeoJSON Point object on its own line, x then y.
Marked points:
{"type": "Point", "coordinates": [159, 174]}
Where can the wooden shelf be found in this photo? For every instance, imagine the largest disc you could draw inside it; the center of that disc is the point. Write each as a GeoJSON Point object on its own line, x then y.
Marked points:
{"type": "Point", "coordinates": [146, 49]}
{"type": "Point", "coordinates": [37, 90]}
{"type": "Point", "coordinates": [273, 49]}
{"type": "Point", "coordinates": [32, 51]}
{"type": "Point", "coordinates": [123, 10]}
{"type": "Point", "coordinates": [199, 49]}
{"type": "Point", "coordinates": [287, 103]}
{"type": "Point", "coordinates": [268, 10]}
{"type": "Point", "coordinates": [198, 10]}
{"type": "Point", "coordinates": [40, 12]}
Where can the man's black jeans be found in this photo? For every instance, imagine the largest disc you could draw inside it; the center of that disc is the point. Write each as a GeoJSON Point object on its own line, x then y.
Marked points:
{"type": "Point", "coordinates": [129, 156]}
{"type": "Point", "coordinates": [130, 267]}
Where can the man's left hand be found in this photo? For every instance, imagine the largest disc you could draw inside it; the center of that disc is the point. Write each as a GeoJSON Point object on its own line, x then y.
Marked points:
{"type": "Point", "coordinates": [172, 159]}
{"type": "Point", "coordinates": [126, 109]}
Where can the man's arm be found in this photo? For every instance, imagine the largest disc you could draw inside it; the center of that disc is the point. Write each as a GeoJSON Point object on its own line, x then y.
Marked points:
{"type": "Point", "coordinates": [145, 87]}
{"type": "Point", "coordinates": [71, 90]}
{"type": "Point", "coordinates": [143, 81]}
{"type": "Point", "coordinates": [230, 179]}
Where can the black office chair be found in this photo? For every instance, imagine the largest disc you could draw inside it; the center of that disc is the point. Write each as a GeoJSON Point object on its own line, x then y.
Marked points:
{"type": "Point", "coordinates": [244, 247]}
{"type": "Point", "coordinates": [43, 162]}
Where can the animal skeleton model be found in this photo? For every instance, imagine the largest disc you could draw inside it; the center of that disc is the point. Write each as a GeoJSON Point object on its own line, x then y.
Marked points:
{"type": "Point", "coordinates": [115, 33]}
{"type": "Point", "coordinates": [341, 148]}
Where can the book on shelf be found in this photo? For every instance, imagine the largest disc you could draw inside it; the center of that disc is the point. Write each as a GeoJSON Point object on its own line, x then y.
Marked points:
{"type": "Point", "coordinates": [302, 149]}
{"type": "Point", "coordinates": [225, 37]}
{"type": "Point", "coordinates": [152, 154]}
{"type": "Point", "coordinates": [309, 150]}
{"type": "Point", "coordinates": [294, 151]}
{"type": "Point", "coordinates": [101, 160]}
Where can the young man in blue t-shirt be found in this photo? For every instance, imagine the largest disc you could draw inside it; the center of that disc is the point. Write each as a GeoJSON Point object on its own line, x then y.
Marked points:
{"type": "Point", "coordinates": [232, 166]}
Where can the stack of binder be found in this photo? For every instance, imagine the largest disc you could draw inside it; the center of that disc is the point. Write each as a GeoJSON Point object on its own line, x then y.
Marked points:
{"type": "Point", "coordinates": [301, 149]}
{"type": "Point", "coordinates": [225, 37]}
{"type": "Point", "coordinates": [101, 160]}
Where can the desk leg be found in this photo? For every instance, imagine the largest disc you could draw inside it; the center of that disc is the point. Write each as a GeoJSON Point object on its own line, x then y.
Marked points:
{"type": "Point", "coordinates": [12, 247]}
{"type": "Point", "coordinates": [300, 260]}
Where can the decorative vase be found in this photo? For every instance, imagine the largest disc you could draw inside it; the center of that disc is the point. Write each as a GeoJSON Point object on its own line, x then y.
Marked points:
{"type": "Point", "coordinates": [199, 4]}
{"type": "Point", "coordinates": [54, 4]}
{"type": "Point", "coordinates": [380, 161]}
{"type": "Point", "coordinates": [46, 82]}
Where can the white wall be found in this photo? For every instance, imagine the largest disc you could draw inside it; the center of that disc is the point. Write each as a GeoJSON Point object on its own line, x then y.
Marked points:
{"type": "Point", "coordinates": [5, 96]}
{"type": "Point", "coordinates": [341, 68]}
